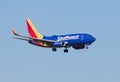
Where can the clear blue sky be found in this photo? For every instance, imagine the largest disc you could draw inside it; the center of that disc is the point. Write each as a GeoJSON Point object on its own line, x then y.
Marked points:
{"type": "Point", "coordinates": [22, 62]}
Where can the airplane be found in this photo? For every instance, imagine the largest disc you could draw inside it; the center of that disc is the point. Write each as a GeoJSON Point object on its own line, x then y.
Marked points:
{"type": "Point", "coordinates": [76, 41]}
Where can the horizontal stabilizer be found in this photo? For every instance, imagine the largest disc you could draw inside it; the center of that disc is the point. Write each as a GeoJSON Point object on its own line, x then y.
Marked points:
{"type": "Point", "coordinates": [21, 38]}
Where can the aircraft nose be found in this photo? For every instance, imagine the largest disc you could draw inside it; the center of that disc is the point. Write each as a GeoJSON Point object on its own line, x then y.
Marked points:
{"type": "Point", "coordinates": [94, 39]}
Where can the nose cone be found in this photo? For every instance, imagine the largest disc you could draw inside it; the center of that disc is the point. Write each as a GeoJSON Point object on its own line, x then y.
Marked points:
{"type": "Point", "coordinates": [93, 39]}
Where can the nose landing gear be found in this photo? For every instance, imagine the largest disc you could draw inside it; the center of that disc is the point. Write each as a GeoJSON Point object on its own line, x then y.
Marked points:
{"type": "Point", "coordinates": [86, 47]}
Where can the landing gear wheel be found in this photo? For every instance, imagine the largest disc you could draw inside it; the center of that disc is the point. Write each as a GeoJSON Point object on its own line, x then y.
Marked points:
{"type": "Point", "coordinates": [54, 49]}
{"type": "Point", "coordinates": [66, 50]}
{"type": "Point", "coordinates": [86, 47]}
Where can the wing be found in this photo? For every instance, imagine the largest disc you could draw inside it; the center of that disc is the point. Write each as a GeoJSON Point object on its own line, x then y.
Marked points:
{"type": "Point", "coordinates": [32, 38]}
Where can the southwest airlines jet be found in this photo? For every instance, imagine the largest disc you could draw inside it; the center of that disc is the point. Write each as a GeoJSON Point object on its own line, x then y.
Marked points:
{"type": "Point", "coordinates": [76, 41]}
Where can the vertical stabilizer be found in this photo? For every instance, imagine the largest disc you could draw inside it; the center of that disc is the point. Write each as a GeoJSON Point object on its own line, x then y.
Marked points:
{"type": "Point", "coordinates": [32, 30]}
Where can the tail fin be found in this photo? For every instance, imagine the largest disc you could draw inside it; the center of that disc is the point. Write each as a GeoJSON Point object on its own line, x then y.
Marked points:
{"type": "Point", "coordinates": [32, 30]}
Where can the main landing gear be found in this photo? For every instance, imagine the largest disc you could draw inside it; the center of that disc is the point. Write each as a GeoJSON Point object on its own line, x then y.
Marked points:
{"type": "Point", "coordinates": [65, 50]}
{"type": "Point", "coordinates": [54, 49]}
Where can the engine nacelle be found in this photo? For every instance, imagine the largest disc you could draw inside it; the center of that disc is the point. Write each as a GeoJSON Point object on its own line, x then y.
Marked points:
{"type": "Point", "coordinates": [79, 46]}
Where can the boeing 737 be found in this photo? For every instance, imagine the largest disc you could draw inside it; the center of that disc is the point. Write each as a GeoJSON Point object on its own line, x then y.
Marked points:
{"type": "Point", "coordinates": [76, 41]}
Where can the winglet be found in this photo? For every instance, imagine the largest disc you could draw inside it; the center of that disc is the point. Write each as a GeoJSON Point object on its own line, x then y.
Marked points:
{"type": "Point", "coordinates": [13, 31]}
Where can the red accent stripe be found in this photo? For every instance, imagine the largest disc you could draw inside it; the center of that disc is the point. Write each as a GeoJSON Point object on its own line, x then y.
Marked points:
{"type": "Point", "coordinates": [30, 30]}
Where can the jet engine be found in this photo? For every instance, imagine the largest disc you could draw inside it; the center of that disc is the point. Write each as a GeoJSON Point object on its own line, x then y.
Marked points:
{"type": "Point", "coordinates": [78, 46]}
